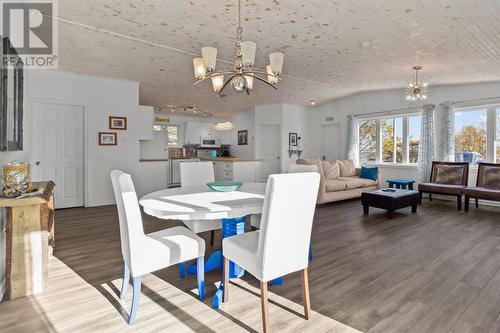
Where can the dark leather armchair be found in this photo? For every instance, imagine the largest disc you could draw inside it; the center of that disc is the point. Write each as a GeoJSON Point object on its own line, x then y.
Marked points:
{"type": "Point", "coordinates": [487, 184]}
{"type": "Point", "coordinates": [447, 178]}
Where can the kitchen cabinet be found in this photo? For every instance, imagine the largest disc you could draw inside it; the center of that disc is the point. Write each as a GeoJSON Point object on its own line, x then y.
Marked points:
{"type": "Point", "coordinates": [242, 171]}
{"type": "Point", "coordinates": [195, 130]}
{"type": "Point", "coordinates": [146, 121]}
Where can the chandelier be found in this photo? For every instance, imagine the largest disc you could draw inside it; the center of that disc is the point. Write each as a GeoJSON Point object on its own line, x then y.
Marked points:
{"type": "Point", "coordinates": [243, 74]}
{"type": "Point", "coordinates": [417, 88]}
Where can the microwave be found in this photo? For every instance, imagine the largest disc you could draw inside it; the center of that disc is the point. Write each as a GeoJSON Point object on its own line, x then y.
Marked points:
{"type": "Point", "coordinates": [208, 142]}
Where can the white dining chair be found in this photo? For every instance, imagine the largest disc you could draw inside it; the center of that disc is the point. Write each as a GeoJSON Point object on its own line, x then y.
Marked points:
{"type": "Point", "coordinates": [147, 253]}
{"type": "Point", "coordinates": [281, 245]}
{"type": "Point", "coordinates": [292, 168]}
{"type": "Point", "coordinates": [199, 174]}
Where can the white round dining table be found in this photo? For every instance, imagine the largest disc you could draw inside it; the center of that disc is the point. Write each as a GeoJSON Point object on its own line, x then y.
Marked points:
{"type": "Point", "coordinates": [201, 203]}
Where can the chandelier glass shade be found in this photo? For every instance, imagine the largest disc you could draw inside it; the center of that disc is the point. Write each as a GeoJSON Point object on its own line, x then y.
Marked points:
{"type": "Point", "coordinates": [416, 91]}
{"type": "Point", "coordinates": [243, 74]}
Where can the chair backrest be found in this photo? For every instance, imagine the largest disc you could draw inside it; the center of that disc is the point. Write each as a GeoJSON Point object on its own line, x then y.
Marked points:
{"type": "Point", "coordinates": [464, 165]}
{"type": "Point", "coordinates": [488, 175]}
{"type": "Point", "coordinates": [196, 173]}
{"type": "Point", "coordinates": [129, 215]}
{"type": "Point", "coordinates": [298, 168]}
{"type": "Point", "coordinates": [287, 217]}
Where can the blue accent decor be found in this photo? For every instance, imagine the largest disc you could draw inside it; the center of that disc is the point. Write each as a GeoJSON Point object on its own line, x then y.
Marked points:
{"type": "Point", "coordinates": [213, 154]}
{"type": "Point", "coordinates": [136, 284]}
{"type": "Point", "coordinates": [182, 270]}
{"type": "Point", "coordinates": [277, 282]}
{"type": "Point", "coordinates": [310, 253]}
{"type": "Point", "coordinates": [125, 281]}
{"type": "Point", "coordinates": [369, 173]}
{"type": "Point", "coordinates": [200, 276]}
{"type": "Point", "coordinates": [224, 186]}
{"type": "Point", "coordinates": [401, 184]}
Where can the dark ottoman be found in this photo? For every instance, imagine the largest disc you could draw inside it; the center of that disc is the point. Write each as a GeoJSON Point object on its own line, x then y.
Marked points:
{"type": "Point", "coordinates": [392, 201]}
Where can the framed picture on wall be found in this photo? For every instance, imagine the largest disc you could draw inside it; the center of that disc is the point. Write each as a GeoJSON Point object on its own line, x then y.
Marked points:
{"type": "Point", "coordinates": [118, 123]}
{"type": "Point", "coordinates": [243, 137]}
{"type": "Point", "coordinates": [293, 139]}
{"type": "Point", "coordinates": [107, 139]}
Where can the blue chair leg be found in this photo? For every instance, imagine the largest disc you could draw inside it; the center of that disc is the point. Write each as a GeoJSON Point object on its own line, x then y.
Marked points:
{"type": "Point", "coordinates": [125, 281]}
{"type": "Point", "coordinates": [200, 276]}
{"type": "Point", "coordinates": [182, 270]}
{"type": "Point", "coordinates": [136, 284]}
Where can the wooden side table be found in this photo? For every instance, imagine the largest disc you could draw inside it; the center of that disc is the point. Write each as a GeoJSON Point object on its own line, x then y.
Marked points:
{"type": "Point", "coordinates": [30, 240]}
{"type": "Point", "coordinates": [401, 184]}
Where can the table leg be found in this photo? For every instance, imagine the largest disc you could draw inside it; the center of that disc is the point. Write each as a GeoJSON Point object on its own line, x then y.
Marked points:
{"type": "Point", "coordinates": [230, 227]}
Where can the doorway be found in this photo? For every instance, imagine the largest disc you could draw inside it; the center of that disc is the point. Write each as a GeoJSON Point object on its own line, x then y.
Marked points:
{"type": "Point", "coordinates": [58, 150]}
{"type": "Point", "coordinates": [269, 150]}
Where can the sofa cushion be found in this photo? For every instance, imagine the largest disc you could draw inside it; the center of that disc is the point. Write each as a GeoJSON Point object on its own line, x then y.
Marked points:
{"type": "Point", "coordinates": [491, 178]}
{"type": "Point", "coordinates": [347, 168]}
{"type": "Point", "coordinates": [356, 182]}
{"type": "Point", "coordinates": [369, 173]}
{"type": "Point", "coordinates": [331, 169]}
{"type": "Point", "coordinates": [312, 161]}
{"type": "Point", "coordinates": [441, 188]}
{"type": "Point", "coordinates": [333, 185]}
{"type": "Point", "coordinates": [483, 193]}
{"type": "Point", "coordinates": [450, 174]}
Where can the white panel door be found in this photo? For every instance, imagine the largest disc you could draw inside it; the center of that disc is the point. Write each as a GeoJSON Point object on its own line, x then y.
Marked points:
{"type": "Point", "coordinates": [330, 142]}
{"type": "Point", "coordinates": [58, 153]}
{"type": "Point", "coordinates": [269, 150]}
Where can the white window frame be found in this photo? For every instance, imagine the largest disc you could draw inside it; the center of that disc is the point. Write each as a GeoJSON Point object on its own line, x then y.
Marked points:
{"type": "Point", "coordinates": [379, 147]}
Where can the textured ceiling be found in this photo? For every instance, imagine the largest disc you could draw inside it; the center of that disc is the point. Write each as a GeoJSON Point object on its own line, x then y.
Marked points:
{"type": "Point", "coordinates": [332, 48]}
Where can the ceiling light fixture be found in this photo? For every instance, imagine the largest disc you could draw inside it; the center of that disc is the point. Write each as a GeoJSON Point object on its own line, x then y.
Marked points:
{"type": "Point", "coordinates": [417, 87]}
{"type": "Point", "coordinates": [187, 110]}
{"type": "Point", "coordinates": [242, 75]}
{"type": "Point", "coordinates": [312, 102]}
{"type": "Point", "coordinates": [223, 125]}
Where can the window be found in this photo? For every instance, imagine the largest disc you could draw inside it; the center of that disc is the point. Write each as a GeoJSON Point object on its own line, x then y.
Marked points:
{"type": "Point", "coordinates": [387, 140]}
{"type": "Point", "coordinates": [497, 144]}
{"type": "Point", "coordinates": [367, 141]}
{"type": "Point", "coordinates": [414, 129]}
{"type": "Point", "coordinates": [471, 135]}
{"type": "Point", "coordinates": [399, 139]}
{"type": "Point", "coordinates": [172, 135]}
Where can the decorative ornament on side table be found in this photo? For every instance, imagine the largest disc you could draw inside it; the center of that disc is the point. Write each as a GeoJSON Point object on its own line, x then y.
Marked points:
{"type": "Point", "coordinates": [242, 75]}
{"type": "Point", "coordinates": [17, 179]}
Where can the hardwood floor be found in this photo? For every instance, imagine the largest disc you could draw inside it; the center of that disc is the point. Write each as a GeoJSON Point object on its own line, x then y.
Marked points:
{"type": "Point", "coordinates": [434, 271]}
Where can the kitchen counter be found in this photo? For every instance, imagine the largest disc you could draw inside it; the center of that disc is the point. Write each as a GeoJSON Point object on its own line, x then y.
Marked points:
{"type": "Point", "coordinates": [227, 159]}
{"type": "Point", "coordinates": [153, 160]}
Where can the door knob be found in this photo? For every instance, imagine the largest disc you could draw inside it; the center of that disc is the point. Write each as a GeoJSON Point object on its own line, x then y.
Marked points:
{"type": "Point", "coordinates": [37, 162]}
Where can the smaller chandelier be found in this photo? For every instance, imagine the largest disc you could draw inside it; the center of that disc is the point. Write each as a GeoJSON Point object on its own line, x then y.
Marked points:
{"type": "Point", "coordinates": [417, 88]}
{"type": "Point", "coordinates": [243, 73]}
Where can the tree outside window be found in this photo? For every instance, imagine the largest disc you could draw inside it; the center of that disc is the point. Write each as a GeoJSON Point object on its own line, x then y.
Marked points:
{"type": "Point", "coordinates": [470, 136]}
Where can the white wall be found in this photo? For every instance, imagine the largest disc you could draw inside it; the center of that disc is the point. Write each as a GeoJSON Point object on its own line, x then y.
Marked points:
{"type": "Point", "coordinates": [101, 97]}
{"type": "Point", "coordinates": [243, 121]}
{"type": "Point", "coordinates": [383, 100]}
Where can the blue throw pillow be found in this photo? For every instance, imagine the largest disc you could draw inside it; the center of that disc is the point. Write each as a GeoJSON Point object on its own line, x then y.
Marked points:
{"type": "Point", "coordinates": [369, 173]}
